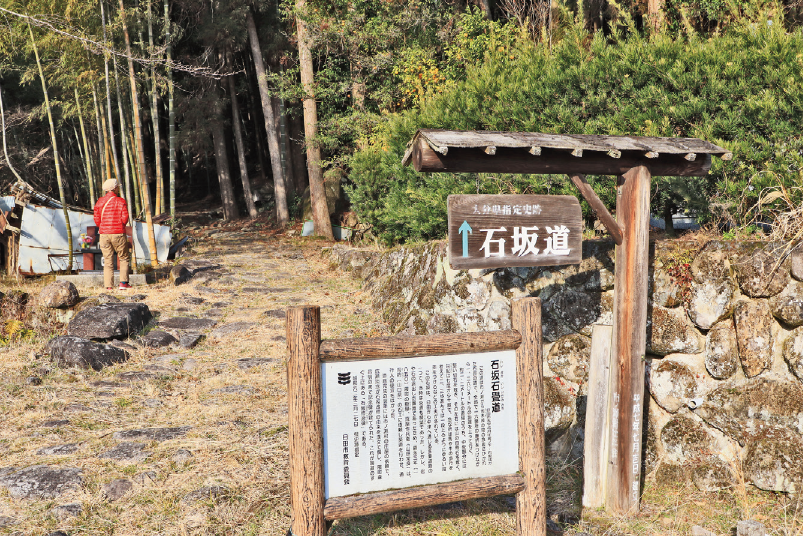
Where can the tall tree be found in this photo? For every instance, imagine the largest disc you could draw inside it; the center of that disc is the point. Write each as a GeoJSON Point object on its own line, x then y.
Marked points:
{"type": "Point", "coordinates": [320, 209]}
{"type": "Point", "coordinates": [238, 140]}
{"type": "Point", "coordinates": [279, 181]}
{"type": "Point", "coordinates": [230, 211]}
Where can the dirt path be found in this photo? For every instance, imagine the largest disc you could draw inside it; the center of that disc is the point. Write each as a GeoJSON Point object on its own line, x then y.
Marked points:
{"type": "Point", "coordinates": [221, 467]}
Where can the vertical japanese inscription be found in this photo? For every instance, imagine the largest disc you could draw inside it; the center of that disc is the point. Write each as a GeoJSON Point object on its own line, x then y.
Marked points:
{"type": "Point", "coordinates": [406, 422]}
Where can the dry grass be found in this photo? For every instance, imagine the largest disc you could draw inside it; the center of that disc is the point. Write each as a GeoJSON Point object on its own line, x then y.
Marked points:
{"type": "Point", "coordinates": [239, 440]}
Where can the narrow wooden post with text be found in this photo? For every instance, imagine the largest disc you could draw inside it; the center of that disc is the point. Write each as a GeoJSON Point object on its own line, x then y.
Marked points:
{"type": "Point", "coordinates": [629, 341]}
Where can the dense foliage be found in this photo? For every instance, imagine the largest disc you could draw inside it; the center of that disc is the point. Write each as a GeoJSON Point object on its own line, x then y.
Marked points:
{"type": "Point", "coordinates": [740, 90]}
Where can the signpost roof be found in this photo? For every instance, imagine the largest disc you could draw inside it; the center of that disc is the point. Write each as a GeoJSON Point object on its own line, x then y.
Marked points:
{"type": "Point", "coordinates": [534, 152]}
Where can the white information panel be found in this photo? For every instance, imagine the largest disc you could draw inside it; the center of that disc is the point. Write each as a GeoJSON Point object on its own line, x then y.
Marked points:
{"type": "Point", "coordinates": [397, 423]}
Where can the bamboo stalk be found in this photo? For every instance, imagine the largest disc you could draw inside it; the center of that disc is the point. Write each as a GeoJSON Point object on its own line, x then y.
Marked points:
{"type": "Point", "coordinates": [146, 202]}
{"type": "Point", "coordinates": [59, 181]}
{"type": "Point", "coordinates": [115, 158]}
{"type": "Point", "coordinates": [87, 162]}
{"type": "Point", "coordinates": [171, 114]}
{"type": "Point", "coordinates": [104, 175]}
{"type": "Point", "coordinates": [124, 144]}
{"type": "Point", "coordinates": [5, 147]}
{"type": "Point", "coordinates": [159, 203]}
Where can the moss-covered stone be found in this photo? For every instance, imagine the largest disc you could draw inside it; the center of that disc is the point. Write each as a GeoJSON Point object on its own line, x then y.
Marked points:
{"type": "Point", "coordinates": [742, 409]}
{"type": "Point", "coordinates": [774, 460]}
{"type": "Point", "coordinates": [721, 353]}
{"type": "Point", "coordinates": [763, 272]}
{"type": "Point", "coordinates": [669, 474]}
{"type": "Point", "coordinates": [793, 353]}
{"type": "Point", "coordinates": [753, 322]}
{"type": "Point", "coordinates": [569, 357]}
{"type": "Point", "coordinates": [787, 306]}
{"type": "Point", "coordinates": [669, 331]}
{"type": "Point", "coordinates": [672, 384]}
{"type": "Point", "coordinates": [685, 439]}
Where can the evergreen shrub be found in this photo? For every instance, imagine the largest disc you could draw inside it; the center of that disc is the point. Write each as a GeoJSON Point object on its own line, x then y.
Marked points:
{"type": "Point", "coordinates": [740, 90]}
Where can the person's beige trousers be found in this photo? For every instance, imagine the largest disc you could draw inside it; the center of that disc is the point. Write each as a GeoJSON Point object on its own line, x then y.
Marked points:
{"type": "Point", "coordinates": [109, 244]}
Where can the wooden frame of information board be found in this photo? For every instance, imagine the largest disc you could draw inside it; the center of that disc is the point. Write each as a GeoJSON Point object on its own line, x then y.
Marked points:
{"type": "Point", "coordinates": [311, 512]}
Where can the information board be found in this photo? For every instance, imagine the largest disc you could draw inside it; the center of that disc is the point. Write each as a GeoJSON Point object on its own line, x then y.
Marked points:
{"type": "Point", "coordinates": [497, 231]}
{"type": "Point", "coordinates": [396, 423]}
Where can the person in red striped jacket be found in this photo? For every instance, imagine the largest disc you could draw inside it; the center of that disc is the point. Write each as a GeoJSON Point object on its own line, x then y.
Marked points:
{"type": "Point", "coordinates": [111, 215]}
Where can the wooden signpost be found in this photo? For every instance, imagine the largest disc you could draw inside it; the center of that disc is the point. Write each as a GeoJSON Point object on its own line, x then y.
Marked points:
{"type": "Point", "coordinates": [435, 409]}
{"type": "Point", "coordinates": [498, 231]}
{"type": "Point", "coordinates": [634, 160]}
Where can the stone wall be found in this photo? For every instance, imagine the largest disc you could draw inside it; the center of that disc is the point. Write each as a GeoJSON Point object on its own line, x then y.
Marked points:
{"type": "Point", "coordinates": [724, 345]}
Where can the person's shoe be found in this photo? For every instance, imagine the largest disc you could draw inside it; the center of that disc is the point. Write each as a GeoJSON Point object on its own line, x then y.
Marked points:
{"type": "Point", "coordinates": [109, 288]}
{"type": "Point", "coordinates": [124, 286]}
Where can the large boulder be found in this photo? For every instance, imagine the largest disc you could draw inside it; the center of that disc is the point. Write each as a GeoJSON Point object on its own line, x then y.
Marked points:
{"type": "Point", "coordinates": [569, 357]}
{"type": "Point", "coordinates": [68, 351]}
{"type": "Point", "coordinates": [774, 460]}
{"type": "Point", "coordinates": [753, 322]}
{"type": "Point", "coordinates": [669, 331]}
{"type": "Point", "coordinates": [721, 351]}
{"type": "Point", "coordinates": [60, 294]}
{"type": "Point", "coordinates": [793, 353]}
{"type": "Point", "coordinates": [110, 321]}
{"type": "Point", "coordinates": [762, 273]}
{"type": "Point", "coordinates": [743, 410]}
{"type": "Point", "coordinates": [788, 305]}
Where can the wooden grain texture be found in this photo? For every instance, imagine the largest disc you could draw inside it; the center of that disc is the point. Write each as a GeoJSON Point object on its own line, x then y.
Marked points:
{"type": "Point", "coordinates": [531, 501]}
{"type": "Point", "coordinates": [305, 412]}
{"type": "Point", "coordinates": [495, 221]}
{"type": "Point", "coordinates": [588, 193]}
{"type": "Point", "coordinates": [403, 499]}
{"type": "Point", "coordinates": [551, 161]}
{"type": "Point", "coordinates": [629, 342]}
{"type": "Point", "coordinates": [595, 450]}
{"type": "Point", "coordinates": [584, 142]}
{"type": "Point", "coordinates": [414, 346]}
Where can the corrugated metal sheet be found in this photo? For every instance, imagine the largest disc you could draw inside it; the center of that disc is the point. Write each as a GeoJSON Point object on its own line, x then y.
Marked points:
{"type": "Point", "coordinates": [43, 240]}
{"type": "Point", "coordinates": [7, 203]}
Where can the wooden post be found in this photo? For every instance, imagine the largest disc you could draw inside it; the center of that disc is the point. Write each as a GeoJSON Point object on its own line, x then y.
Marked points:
{"type": "Point", "coordinates": [629, 341]}
{"type": "Point", "coordinates": [530, 502]}
{"type": "Point", "coordinates": [305, 409]}
{"type": "Point", "coordinates": [595, 447]}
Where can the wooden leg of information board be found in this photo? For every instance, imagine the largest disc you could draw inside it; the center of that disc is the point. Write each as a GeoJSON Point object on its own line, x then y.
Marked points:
{"type": "Point", "coordinates": [305, 408]}
{"type": "Point", "coordinates": [629, 341]}
{"type": "Point", "coordinates": [531, 501]}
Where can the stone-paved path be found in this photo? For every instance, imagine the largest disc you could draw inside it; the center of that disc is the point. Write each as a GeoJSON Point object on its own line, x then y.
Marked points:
{"type": "Point", "coordinates": [175, 441]}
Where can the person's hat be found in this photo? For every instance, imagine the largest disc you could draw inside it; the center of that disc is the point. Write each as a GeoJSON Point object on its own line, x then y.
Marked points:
{"type": "Point", "coordinates": [110, 185]}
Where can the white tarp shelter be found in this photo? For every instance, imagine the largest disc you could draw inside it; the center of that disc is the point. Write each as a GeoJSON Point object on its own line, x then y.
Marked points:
{"type": "Point", "coordinates": [43, 246]}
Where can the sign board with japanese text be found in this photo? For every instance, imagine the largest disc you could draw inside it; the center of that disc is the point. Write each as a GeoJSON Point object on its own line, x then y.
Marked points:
{"type": "Point", "coordinates": [398, 423]}
{"type": "Point", "coordinates": [499, 231]}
